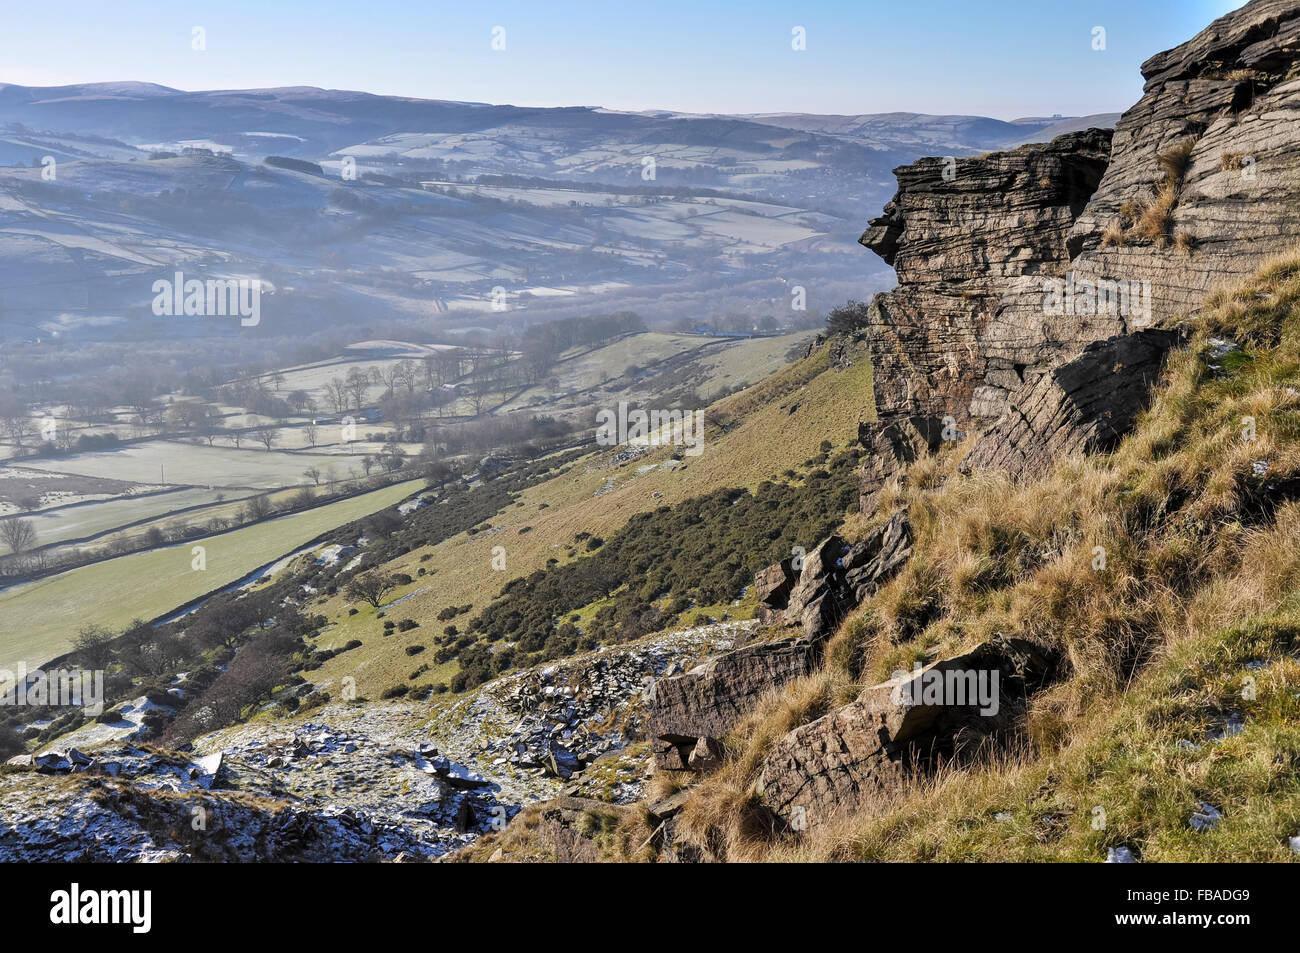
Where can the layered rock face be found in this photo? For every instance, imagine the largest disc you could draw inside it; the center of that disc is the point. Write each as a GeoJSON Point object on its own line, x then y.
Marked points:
{"type": "Point", "coordinates": [1013, 264]}
{"type": "Point", "coordinates": [1231, 96]}
{"type": "Point", "coordinates": [1203, 184]}
{"type": "Point", "coordinates": [961, 234]}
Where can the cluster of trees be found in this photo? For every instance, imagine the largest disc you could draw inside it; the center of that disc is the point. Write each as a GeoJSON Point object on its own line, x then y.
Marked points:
{"type": "Point", "coordinates": [520, 434]}
{"type": "Point", "coordinates": [544, 343]}
{"type": "Point", "coordinates": [733, 323]}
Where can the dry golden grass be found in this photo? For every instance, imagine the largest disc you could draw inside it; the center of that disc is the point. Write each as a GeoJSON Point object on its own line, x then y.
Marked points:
{"type": "Point", "coordinates": [1153, 221]}
{"type": "Point", "coordinates": [1123, 563]}
{"type": "Point", "coordinates": [1173, 161]}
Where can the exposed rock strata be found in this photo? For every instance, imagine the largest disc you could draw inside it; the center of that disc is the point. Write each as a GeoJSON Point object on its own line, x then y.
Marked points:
{"type": "Point", "coordinates": [834, 579]}
{"type": "Point", "coordinates": [689, 712]}
{"type": "Point", "coordinates": [1083, 406]}
{"type": "Point", "coordinates": [961, 233]}
{"type": "Point", "coordinates": [892, 446]}
{"type": "Point", "coordinates": [1233, 94]}
{"type": "Point", "coordinates": [871, 747]}
{"type": "Point", "coordinates": [977, 317]}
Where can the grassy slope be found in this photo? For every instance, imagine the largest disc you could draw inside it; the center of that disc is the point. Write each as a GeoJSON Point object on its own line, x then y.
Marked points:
{"type": "Point", "coordinates": [747, 362]}
{"type": "Point", "coordinates": [38, 620]}
{"type": "Point", "coordinates": [583, 368]}
{"type": "Point", "coordinates": [741, 361]}
{"type": "Point", "coordinates": [1199, 594]}
{"type": "Point", "coordinates": [778, 424]}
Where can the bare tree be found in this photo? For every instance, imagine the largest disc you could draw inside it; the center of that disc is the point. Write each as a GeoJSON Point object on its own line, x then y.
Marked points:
{"type": "Point", "coordinates": [18, 535]}
{"type": "Point", "coordinates": [18, 426]}
{"type": "Point", "coordinates": [311, 432]}
{"type": "Point", "coordinates": [357, 384]}
{"type": "Point", "coordinates": [408, 373]}
{"type": "Point", "coordinates": [314, 474]}
{"type": "Point", "coordinates": [267, 436]}
{"type": "Point", "coordinates": [336, 393]}
{"type": "Point", "coordinates": [93, 645]}
{"type": "Point", "coordinates": [211, 429]}
{"type": "Point", "coordinates": [389, 378]}
{"type": "Point", "coordinates": [371, 588]}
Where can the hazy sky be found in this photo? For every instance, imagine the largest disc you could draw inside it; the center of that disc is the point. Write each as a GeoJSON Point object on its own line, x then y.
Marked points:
{"type": "Point", "coordinates": [1002, 58]}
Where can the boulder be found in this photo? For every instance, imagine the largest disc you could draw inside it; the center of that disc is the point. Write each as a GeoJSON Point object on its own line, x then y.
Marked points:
{"type": "Point", "coordinates": [666, 807]}
{"type": "Point", "coordinates": [772, 586]}
{"type": "Point", "coordinates": [869, 749]}
{"type": "Point", "coordinates": [710, 699]}
{"type": "Point", "coordinates": [820, 598]}
{"type": "Point", "coordinates": [836, 577]}
{"type": "Point", "coordinates": [875, 560]}
{"type": "Point", "coordinates": [51, 762]}
{"type": "Point", "coordinates": [690, 712]}
{"type": "Point", "coordinates": [706, 757]}
{"type": "Point", "coordinates": [1083, 406]}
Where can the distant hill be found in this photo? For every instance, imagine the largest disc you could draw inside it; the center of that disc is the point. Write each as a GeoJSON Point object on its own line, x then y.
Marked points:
{"type": "Point", "coordinates": [368, 206]}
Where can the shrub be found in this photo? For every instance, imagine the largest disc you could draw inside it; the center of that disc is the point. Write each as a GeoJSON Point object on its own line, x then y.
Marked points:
{"type": "Point", "coordinates": [849, 317]}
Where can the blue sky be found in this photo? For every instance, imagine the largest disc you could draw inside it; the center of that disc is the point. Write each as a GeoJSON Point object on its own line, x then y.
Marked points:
{"type": "Point", "coordinates": [1002, 58]}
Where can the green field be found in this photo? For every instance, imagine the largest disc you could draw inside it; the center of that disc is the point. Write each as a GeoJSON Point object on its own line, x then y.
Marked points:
{"type": "Point", "coordinates": [92, 519]}
{"type": "Point", "coordinates": [747, 362]}
{"type": "Point", "coordinates": [39, 620]}
{"type": "Point", "coordinates": [166, 461]}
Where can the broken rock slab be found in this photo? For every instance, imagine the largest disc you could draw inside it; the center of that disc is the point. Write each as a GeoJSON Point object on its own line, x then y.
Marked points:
{"type": "Point", "coordinates": [710, 699]}
{"type": "Point", "coordinates": [837, 577]}
{"type": "Point", "coordinates": [773, 586]}
{"type": "Point", "coordinates": [870, 748]}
